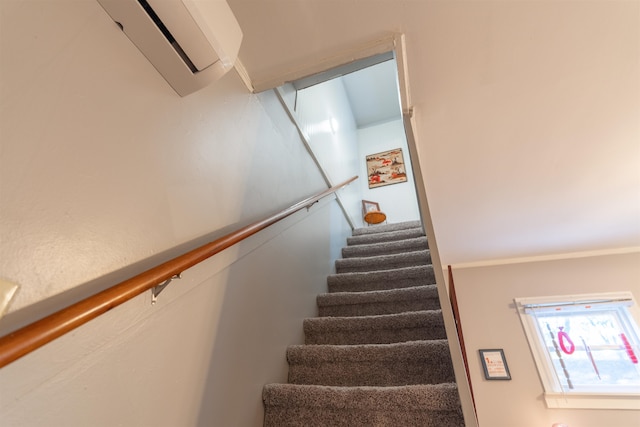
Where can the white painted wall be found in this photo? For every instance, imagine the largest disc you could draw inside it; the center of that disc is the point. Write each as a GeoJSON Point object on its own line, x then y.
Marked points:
{"type": "Point", "coordinates": [325, 117]}
{"type": "Point", "coordinates": [490, 320]}
{"type": "Point", "coordinates": [341, 148]}
{"type": "Point", "coordinates": [397, 201]}
{"type": "Point", "coordinates": [105, 171]}
{"type": "Point", "coordinates": [200, 356]}
{"type": "Point", "coordinates": [527, 130]}
{"type": "Point", "coordinates": [103, 165]}
{"type": "Point", "coordinates": [526, 112]}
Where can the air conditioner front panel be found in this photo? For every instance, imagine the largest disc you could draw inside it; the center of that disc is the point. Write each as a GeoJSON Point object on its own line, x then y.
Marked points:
{"type": "Point", "coordinates": [144, 32]}
{"type": "Point", "coordinates": [219, 25]}
{"type": "Point", "coordinates": [186, 31]}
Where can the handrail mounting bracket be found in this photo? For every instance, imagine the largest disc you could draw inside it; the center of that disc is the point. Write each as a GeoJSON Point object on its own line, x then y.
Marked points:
{"type": "Point", "coordinates": [155, 291]}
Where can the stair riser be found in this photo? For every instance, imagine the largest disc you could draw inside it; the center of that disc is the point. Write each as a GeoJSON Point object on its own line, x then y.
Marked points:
{"type": "Point", "coordinates": [372, 309]}
{"type": "Point", "coordinates": [289, 405]}
{"type": "Point", "coordinates": [278, 416]}
{"type": "Point", "coordinates": [416, 362]}
{"type": "Point", "coordinates": [377, 373]}
{"type": "Point", "coordinates": [377, 336]}
{"type": "Point", "coordinates": [385, 228]}
{"type": "Point", "coordinates": [388, 249]}
{"type": "Point", "coordinates": [384, 237]}
{"type": "Point", "coordinates": [364, 286]}
{"type": "Point", "coordinates": [430, 397]}
{"type": "Point", "coordinates": [380, 280]}
{"type": "Point", "coordinates": [359, 265]}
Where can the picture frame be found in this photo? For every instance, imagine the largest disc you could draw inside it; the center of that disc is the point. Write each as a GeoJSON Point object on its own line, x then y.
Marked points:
{"type": "Point", "coordinates": [494, 364]}
{"type": "Point", "coordinates": [368, 206]}
{"type": "Point", "coordinates": [386, 168]}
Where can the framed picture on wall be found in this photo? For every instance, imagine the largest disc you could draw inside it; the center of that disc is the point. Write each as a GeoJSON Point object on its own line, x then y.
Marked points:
{"type": "Point", "coordinates": [386, 168]}
{"type": "Point", "coordinates": [494, 364]}
{"type": "Point", "coordinates": [368, 206]}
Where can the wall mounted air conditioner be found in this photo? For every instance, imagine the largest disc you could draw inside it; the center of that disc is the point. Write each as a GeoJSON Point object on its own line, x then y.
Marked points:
{"type": "Point", "coordinates": [190, 42]}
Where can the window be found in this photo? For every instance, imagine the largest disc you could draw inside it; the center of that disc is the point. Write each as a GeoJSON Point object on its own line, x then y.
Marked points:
{"type": "Point", "coordinates": [586, 349]}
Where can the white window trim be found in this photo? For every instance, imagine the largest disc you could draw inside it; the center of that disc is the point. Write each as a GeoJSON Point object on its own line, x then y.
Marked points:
{"type": "Point", "coordinates": [593, 400]}
{"type": "Point", "coordinates": [550, 383]}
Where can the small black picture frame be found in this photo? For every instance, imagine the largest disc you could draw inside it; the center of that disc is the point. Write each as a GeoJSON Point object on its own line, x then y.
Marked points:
{"type": "Point", "coordinates": [494, 364]}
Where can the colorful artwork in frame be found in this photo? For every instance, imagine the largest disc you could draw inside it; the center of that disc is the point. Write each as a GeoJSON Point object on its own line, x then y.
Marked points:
{"type": "Point", "coordinates": [386, 168]}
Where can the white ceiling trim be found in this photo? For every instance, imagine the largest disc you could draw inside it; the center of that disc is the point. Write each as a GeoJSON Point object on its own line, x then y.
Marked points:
{"type": "Point", "coordinates": [553, 257]}
{"type": "Point", "coordinates": [312, 65]}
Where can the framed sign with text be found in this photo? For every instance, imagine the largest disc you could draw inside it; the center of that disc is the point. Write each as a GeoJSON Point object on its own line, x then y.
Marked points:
{"type": "Point", "coordinates": [494, 364]}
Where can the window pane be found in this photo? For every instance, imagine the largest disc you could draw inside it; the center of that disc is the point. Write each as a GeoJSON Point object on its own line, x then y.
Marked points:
{"type": "Point", "coordinates": [588, 351]}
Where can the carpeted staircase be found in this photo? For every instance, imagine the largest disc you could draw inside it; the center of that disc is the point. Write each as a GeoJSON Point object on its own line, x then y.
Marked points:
{"type": "Point", "coordinates": [377, 355]}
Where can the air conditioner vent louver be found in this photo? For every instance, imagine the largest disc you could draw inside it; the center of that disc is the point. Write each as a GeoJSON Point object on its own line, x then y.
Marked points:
{"type": "Point", "coordinates": [190, 42]}
{"type": "Point", "coordinates": [165, 32]}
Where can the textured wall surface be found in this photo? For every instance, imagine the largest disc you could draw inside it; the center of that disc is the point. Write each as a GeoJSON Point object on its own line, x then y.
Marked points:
{"type": "Point", "coordinates": [103, 165]}
{"type": "Point", "coordinates": [490, 320]}
{"type": "Point", "coordinates": [105, 171]}
{"type": "Point", "coordinates": [526, 111]}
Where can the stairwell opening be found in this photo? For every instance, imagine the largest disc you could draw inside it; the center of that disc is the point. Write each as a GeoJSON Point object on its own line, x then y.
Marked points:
{"type": "Point", "coordinates": [334, 161]}
{"type": "Point", "coordinates": [322, 132]}
{"type": "Point", "coordinates": [351, 113]}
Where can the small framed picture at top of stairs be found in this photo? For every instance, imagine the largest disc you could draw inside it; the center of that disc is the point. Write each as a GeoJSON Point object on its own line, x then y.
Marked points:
{"type": "Point", "coordinates": [372, 213]}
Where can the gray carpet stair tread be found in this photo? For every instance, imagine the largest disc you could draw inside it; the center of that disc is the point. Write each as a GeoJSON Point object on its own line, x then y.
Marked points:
{"type": "Point", "coordinates": [377, 354]}
{"type": "Point", "coordinates": [419, 350]}
{"type": "Point", "coordinates": [414, 362]}
{"type": "Point", "coordinates": [383, 262]}
{"type": "Point", "coordinates": [378, 329]}
{"type": "Point", "coordinates": [416, 319]}
{"type": "Point", "coordinates": [394, 247]}
{"type": "Point", "coordinates": [384, 237]}
{"type": "Point", "coordinates": [293, 405]}
{"type": "Point", "coordinates": [391, 301]}
{"type": "Point", "coordinates": [399, 294]}
{"type": "Point", "coordinates": [433, 397]}
{"type": "Point", "coordinates": [384, 279]}
{"type": "Point", "coordinates": [382, 228]}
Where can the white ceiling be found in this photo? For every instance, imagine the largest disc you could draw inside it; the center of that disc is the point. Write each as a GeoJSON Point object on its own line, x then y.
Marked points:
{"type": "Point", "coordinates": [371, 87]}
{"type": "Point", "coordinates": [373, 94]}
{"type": "Point", "coordinates": [527, 113]}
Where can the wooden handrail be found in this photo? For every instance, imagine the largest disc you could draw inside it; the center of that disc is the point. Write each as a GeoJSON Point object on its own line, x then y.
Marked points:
{"type": "Point", "coordinates": [33, 336]}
